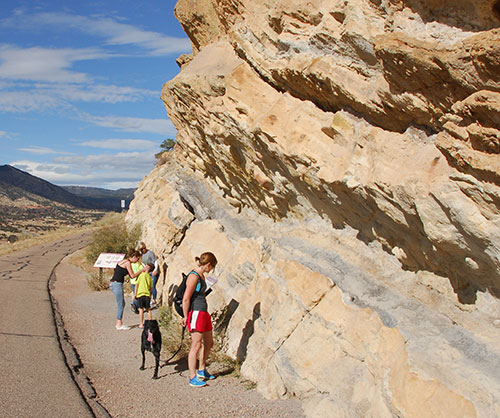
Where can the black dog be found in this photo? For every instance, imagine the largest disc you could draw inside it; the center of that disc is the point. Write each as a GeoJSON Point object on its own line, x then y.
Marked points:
{"type": "Point", "coordinates": [151, 341]}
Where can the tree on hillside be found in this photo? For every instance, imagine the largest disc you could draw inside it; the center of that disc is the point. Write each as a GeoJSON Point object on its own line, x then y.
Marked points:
{"type": "Point", "coordinates": [166, 145]}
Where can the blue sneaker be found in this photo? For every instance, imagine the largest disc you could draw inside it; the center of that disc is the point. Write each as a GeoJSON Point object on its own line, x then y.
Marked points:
{"type": "Point", "coordinates": [196, 382]}
{"type": "Point", "coordinates": [203, 374]}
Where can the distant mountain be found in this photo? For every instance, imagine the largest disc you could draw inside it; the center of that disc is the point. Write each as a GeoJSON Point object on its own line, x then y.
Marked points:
{"type": "Point", "coordinates": [15, 182]}
{"type": "Point", "coordinates": [24, 181]}
{"type": "Point", "coordinates": [98, 192]}
{"type": "Point", "coordinates": [31, 207]}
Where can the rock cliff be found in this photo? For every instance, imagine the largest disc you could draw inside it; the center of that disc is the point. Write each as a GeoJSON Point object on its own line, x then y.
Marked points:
{"type": "Point", "coordinates": [341, 160]}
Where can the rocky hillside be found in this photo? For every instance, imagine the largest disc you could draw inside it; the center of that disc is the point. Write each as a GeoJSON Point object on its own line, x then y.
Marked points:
{"type": "Point", "coordinates": [341, 160]}
{"type": "Point", "coordinates": [15, 183]}
{"type": "Point", "coordinates": [31, 206]}
{"type": "Point", "coordinates": [24, 214]}
{"type": "Point", "coordinates": [12, 178]}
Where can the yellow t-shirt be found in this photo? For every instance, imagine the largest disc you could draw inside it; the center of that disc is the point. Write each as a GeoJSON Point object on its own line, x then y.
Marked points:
{"type": "Point", "coordinates": [135, 268]}
{"type": "Point", "coordinates": [144, 285]}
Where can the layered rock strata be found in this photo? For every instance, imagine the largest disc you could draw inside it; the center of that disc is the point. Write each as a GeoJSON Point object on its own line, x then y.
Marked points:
{"type": "Point", "coordinates": [341, 160]}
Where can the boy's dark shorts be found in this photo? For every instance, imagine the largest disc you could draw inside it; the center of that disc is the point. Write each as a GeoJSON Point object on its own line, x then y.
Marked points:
{"type": "Point", "coordinates": [144, 302]}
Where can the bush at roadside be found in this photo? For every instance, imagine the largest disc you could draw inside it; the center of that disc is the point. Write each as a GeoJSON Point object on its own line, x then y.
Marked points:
{"type": "Point", "coordinates": [113, 238]}
{"type": "Point", "coordinates": [98, 281]}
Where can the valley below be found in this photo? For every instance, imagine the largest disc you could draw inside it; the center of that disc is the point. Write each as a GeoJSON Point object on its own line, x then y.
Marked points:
{"type": "Point", "coordinates": [30, 206]}
{"type": "Point", "coordinates": [25, 219]}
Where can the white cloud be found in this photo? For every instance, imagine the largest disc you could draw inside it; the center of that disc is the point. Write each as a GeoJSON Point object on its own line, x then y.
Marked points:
{"type": "Point", "coordinates": [41, 150]}
{"type": "Point", "coordinates": [47, 171]}
{"type": "Point", "coordinates": [52, 69]}
{"type": "Point", "coordinates": [4, 135]}
{"type": "Point", "coordinates": [97, 92]}
{"type": "Point", "coordinates": [114, 32]}
{"type": "Point", "coordinates": [132, 162]}
{"type": "Point", "coordinates": [24, 101]}
{"type": "Point", "coordinates": [123, 169]}
{"type": "Point", "coordinates": [44, 96]}
{"type": "Point", "coordinates": [44, 64]}
{"type": "Point", "coordinates": [127, 144]}
{"type": "Point", "coordinates": [130, 124]}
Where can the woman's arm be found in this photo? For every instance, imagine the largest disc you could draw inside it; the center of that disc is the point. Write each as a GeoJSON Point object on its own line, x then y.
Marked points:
{"type": "Point", "coordinates": [131, 272]}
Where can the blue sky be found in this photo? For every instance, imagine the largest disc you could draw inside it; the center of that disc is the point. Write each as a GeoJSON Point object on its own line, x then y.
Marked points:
{"type": "Point", "coordinates": [80, 86]}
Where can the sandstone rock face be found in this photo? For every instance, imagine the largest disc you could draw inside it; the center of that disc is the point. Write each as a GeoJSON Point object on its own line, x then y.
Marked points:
{"type": "Point", "coordinates": [341, 160]}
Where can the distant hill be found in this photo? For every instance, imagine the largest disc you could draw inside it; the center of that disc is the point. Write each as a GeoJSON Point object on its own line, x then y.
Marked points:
{"type": "Point", "coordinates": [30, 206]}
{"type": "Point", "coordinates": [15, 182]}
{"type": "Point", "coordinates": [24, 181]}
{"type": "Point", "coordinates": [109, 198]}
{"type": "Point", "coordinates": [98, 192]}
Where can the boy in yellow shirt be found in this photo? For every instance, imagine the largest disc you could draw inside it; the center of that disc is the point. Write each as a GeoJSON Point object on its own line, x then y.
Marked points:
{"type": "Point", "coordinates": [142, 293]}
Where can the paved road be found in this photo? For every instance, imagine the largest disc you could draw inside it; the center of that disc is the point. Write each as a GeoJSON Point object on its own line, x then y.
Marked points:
{"type": "Point", "coordinates": [34, 378]}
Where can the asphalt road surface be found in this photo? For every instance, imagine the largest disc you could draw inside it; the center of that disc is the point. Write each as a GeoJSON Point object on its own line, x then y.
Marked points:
{"type": "Point", "coordinates": [36, 378]}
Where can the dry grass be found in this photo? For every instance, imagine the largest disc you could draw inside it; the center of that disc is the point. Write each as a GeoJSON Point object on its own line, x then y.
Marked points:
{"type": "Point", "coordinates": [97, 282]}
{"type": "Point", "coordinates": [28, 242]}
{"type": "Point", "coordinates": [80, 259]}
{"type": "Point", "coordinates": [172, 332]}
{"type": "Point", "coordinates": [99, 279]}
{"type": "Point", "coordinates": [31, 241]}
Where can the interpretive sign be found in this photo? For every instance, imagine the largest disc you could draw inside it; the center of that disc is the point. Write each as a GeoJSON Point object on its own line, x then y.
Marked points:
{"type": "Point", "coordinates": [108, 260]}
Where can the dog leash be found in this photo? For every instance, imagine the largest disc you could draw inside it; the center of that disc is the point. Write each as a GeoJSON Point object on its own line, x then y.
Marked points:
{"type": "Point", "coordinates": [179, 349]}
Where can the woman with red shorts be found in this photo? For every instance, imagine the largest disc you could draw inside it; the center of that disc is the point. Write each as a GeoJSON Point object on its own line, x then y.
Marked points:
{"type": "Point", "coordinates": [198, 320]}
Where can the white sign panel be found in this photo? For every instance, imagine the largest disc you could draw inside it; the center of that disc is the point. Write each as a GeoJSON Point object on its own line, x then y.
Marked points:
{"type": "Point", "coordinates": [210, 281]}
{"type": "Point", "coordinates": [108, 260]}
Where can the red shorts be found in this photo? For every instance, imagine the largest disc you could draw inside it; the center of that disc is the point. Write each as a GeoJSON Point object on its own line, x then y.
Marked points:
{"type": "Point", "coordinates": [199, 321]}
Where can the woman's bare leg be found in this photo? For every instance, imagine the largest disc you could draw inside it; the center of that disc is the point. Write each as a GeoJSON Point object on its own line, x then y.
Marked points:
{"type": "Point", "coordinates": [208, 342]}
{"type": "Point", "coordinates": [196, 338]}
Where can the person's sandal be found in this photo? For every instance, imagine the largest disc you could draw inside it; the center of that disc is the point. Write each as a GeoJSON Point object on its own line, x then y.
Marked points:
{"type": "Point", "coordinates": [122, 328]}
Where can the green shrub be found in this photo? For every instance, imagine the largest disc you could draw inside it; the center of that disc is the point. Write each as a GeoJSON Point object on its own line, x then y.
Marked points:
{"type": "Point", "coordinates": [113, 238]}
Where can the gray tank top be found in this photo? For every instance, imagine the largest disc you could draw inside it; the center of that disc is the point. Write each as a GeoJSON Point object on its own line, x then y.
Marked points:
{"type": "Point", "coordinates": [199, 300]}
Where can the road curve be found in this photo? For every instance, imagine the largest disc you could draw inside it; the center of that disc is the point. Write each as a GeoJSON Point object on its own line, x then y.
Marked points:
{"type": "Point", "coordinates": [35, 374]}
